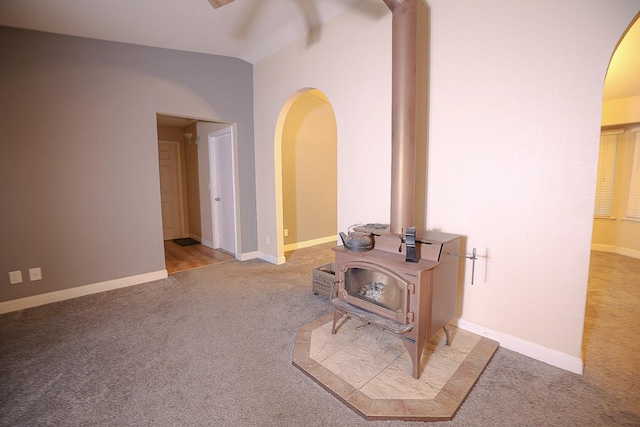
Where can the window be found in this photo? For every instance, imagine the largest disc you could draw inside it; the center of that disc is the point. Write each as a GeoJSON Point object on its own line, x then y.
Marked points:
{"type": "Point", "coordinates": [633, 200]}
{"type": "Point", "coordinates": [606, 172]}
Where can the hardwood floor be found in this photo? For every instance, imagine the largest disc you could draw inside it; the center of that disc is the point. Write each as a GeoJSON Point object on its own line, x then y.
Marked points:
{"type": "Point", "coordinates": [180, 258]}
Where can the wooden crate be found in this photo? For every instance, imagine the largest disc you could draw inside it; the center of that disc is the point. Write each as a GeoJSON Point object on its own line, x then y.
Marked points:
{"type": "Point", "coordinates": [323, 278]}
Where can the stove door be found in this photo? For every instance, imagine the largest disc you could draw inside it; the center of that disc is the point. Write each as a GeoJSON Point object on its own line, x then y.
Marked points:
{"type": "Point", "coordinates": [375, 288]}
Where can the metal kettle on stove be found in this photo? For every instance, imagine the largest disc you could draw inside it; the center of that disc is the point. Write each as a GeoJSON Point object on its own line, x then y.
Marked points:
{"type": "Point", "coordinates": [357, 241]}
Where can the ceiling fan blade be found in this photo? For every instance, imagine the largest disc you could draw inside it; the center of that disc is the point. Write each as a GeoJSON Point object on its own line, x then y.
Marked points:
{"type": "Point", "coordinates": [219, 3]}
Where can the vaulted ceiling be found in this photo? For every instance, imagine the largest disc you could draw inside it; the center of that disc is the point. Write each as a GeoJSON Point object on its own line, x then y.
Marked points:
{"type": "Point", "coordinates": [245, 29]}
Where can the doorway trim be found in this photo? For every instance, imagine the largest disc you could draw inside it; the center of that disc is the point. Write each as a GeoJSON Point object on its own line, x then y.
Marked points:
{"type": "Point", "coordinates": [213, 177]}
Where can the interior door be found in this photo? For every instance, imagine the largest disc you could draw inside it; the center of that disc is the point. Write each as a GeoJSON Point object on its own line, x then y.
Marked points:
{"type": "Point", "coordinates": [222, 190]}
{"type": "Point", "coordinates": [170, 189]}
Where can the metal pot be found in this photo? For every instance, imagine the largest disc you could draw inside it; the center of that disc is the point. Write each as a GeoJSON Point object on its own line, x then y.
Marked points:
{"type": "Point", "coordinates": [357, 241]}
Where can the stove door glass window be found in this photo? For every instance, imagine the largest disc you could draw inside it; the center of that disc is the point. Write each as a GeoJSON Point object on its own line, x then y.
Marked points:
{"type": "Point", "coordinates": [375, 287]}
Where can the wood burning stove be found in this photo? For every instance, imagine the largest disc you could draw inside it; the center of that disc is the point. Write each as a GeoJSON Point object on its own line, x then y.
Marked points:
{"type": "Point", "coordinates": [407, 283]}
{"type": "Point", "coordinates": [411, 299]}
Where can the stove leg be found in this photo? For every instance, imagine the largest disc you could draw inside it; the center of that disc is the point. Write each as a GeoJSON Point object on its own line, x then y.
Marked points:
{"type": "Point", "coordinates": [336, 316]}
{"type": "Point", "coordinates": [414, 353]}
{"type": "Point", "coordinates": [447, 335]}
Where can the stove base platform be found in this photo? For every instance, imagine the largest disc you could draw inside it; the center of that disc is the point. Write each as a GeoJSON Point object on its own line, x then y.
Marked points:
{"type": "Point", "coordinates": [370, 371]}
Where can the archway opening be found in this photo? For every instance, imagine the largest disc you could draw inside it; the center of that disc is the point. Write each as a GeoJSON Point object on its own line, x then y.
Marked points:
{"type": "Point", "coordinates": [306, 171]}
{"type": "Point", "coordinates": [615, 245]}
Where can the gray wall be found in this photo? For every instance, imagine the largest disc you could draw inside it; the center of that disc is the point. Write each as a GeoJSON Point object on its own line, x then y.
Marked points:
{"type": "Point", "coordinates": [79, 170]}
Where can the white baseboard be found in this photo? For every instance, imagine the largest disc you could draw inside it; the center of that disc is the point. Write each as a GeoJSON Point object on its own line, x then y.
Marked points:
{"type": "Point", "coordinates": [616, 250]}
{"type": "Point", "coordinates": [239, 256]}
{"type": "Point", "coordinates": [207, 243]}
{"type": "Point", "coordinates": [247, 256]}
{"type": "Point", "coordinates": [628, 252]}
{"type": "Point", "coordinates": [79, 291]}
{"type": "Point", "coordinates": [603, 248]}
{"type": "Point", "coordinates": [293, 246]}
{"type": "Point", "coordinates": [272, 259]}
{"type": "Point", "coordinates": [535, 351]}
{"type": "Point", "coordinates": [309, 243]}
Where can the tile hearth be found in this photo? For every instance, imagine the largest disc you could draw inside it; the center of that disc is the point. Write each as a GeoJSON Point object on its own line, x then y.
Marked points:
{"type": "Point", "coordinates": [370, 370]}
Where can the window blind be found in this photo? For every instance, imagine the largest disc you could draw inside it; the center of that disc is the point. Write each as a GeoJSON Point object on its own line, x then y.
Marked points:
{"type": "Point", "coordinates": [606, 173]}
{"type": "Point", "coordinates": [633, 200]}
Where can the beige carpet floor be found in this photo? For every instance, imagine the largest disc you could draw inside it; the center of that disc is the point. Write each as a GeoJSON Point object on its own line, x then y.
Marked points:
{"type": "Point", "coordinates": [213, 347]}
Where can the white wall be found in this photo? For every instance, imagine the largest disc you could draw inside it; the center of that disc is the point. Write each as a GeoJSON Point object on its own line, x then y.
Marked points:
{"type": "Point", "coordinates": [350, 65]}
{"type": "Point", "coordinates": [515, 110]}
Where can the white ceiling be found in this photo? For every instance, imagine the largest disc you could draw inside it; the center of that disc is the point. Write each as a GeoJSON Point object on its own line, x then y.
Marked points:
{"type": "Point", "coordinates": [245, 29]}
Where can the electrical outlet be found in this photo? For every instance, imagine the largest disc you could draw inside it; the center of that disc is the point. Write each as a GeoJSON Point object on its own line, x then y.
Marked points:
{"type": "Point", "coordinates": [286, 232]}
{"type": "Point", "coordinates": [35, 274]}
{"type": "Point", "coordinates": [268, 240]}
{"type": "Point", "coordinates": [15, 277]}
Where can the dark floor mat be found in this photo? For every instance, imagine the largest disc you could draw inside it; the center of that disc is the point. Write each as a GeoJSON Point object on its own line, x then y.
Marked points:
{"type": "Point", "coordinates": [187, 241]}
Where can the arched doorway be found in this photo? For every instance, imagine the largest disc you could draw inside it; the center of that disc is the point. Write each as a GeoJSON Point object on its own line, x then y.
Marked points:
{"type": "Point", "coordinates": [615, 261]}
{"type": "Point", "coordinates": [306, 171]}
